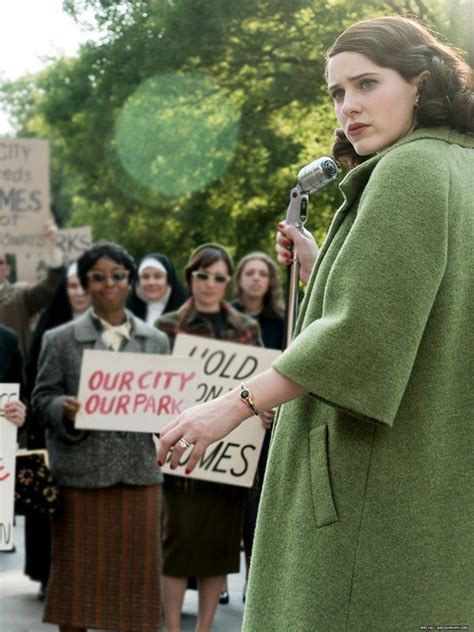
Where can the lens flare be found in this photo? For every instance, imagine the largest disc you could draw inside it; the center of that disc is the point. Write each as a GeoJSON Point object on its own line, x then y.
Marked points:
{"type": "Point", "coordinates": [177, 133]}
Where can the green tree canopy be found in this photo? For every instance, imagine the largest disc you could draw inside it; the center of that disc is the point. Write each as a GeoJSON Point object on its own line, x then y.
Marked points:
{"type": "Point", "coordinates": [190, 119]}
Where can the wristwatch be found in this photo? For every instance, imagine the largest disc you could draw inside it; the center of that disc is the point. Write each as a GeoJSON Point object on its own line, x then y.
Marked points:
{"type": "Point", "coordinates": [247, 397]}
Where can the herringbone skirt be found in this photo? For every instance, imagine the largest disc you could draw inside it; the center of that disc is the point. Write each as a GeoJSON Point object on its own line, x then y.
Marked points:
{"type": "Point", "coordinates": [105, 570]}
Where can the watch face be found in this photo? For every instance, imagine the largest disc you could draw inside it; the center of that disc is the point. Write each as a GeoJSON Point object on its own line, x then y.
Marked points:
{"type": "Point", "coordinates": [244, 394]}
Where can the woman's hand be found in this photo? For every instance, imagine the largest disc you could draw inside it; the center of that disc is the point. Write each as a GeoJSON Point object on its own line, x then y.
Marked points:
{"type": "Point", "coordinates": [15, 412]}
{"type": "Point", "coordinates": [71, 408]}
{"type": "Point", "coordinates": [306, 248]}
{"type": "Point", "coordinates": [267, 418]}
{"type": "Point", "coordinates": [200, 426]}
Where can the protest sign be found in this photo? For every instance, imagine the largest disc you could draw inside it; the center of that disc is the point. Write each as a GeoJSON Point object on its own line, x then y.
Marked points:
{"type": "Point", "coordinates": [24, 193]}
{"type": "Point", "coordinates": [134, 392]}
{"type": "Point", "coordinates": [8, 392]}
{"type": "Point", "coordinates": [32, 266]}
{"type": "Point", "coordinates": [232, 460]}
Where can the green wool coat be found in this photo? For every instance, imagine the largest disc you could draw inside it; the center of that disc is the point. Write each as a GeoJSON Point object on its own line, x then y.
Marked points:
{"type": "Point", "coordinates": [366, 522]}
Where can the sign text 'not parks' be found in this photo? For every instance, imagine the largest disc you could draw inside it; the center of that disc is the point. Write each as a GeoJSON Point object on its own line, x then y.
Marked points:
{"type": "Point", "coordinates": [8, 392]}
{"type": "Point", "coordinates": [24, 193]}
{"type": "Point", "coordinates": [134, 392]}
{"type": "Point", "coordinates": [232, 460]}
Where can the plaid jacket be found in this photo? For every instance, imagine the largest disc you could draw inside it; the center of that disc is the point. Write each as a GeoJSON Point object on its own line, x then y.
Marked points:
{"type": "Point", "coordinates": [238, 327]}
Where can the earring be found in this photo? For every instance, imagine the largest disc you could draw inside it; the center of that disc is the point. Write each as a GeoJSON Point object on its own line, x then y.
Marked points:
{"type": "Point", "coordinates": [417, 102]}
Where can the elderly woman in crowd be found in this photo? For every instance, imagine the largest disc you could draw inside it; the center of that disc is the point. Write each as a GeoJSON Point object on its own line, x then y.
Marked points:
{"type": "Point", "coordinates": [105, 570]}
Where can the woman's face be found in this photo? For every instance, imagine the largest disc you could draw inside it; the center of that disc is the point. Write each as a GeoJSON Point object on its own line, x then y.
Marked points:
{"type": "Point", "coordinates": [374, 105]}
{"type": "Point", "coordinates": [209, 291]}
{"type": "Point", "coordinates": [107, 286]}
{"type": "Point", "coordinates": [255, 278]}
{"type": "Point", "coordinates": [153, 283]}
{"type": "Point", "coordinates": [78, 299]}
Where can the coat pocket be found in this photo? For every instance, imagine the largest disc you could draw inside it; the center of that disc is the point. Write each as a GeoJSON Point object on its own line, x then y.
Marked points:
{"type": "Point", "coordinates": [323, 502]}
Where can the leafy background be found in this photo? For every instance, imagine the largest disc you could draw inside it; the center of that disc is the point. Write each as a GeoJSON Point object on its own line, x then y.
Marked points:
{"type": "Point", "coordinates": [262, 62]}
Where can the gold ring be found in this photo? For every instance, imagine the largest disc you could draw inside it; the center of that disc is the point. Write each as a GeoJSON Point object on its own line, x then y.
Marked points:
{"type": "Point", "coordinates": [184, 444]}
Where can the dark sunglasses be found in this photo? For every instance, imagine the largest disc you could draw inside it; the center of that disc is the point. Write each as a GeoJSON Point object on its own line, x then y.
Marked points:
{"type": "Point", "coordinates": [115, 277]}
{"type": "Point", "coordinates": [205, 276]}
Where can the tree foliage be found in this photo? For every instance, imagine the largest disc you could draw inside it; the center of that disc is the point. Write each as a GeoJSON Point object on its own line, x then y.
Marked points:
{"type": "Point", "coordinates": [261, 59]}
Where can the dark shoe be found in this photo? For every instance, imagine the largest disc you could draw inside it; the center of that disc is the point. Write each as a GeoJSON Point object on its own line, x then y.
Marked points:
{"type": "Point", "coordinates": [42, 592]}
{"type": "Point", "coordinates": [224, 597]}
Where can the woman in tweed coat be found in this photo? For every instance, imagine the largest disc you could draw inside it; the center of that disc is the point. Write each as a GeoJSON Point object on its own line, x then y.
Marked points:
{"type": "Point", "coordinates": [367, 510]}
{"type": "Point", "coordinates": [105, 570]}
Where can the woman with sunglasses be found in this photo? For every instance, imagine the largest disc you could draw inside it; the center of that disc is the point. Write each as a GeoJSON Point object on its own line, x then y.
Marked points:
{"type": "Point", "coordinates": [158, 289]}
{"type": "Point", "coordinates": [367, 509]}
{"type": "Point", "coordinates": [201, 520]}
{"type": "Point", "coordinates": [105, 571]}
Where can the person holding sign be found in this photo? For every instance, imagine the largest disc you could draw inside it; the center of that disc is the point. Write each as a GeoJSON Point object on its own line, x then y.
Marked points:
{"type": "Point", "coordinates": [202, 520]}
{"type": "Point", "coordinates": [366, 516]}
{"type": "Point", "coordinates": [12, 410]}
{"type": "Point", "coordinates": [69, 302]}
{"type": "Point", "coordinates": [158, 289]}
{"type": "Point", "coordinates": [20, 302]}
{"type": "Point", "coordinates": [105, 571]}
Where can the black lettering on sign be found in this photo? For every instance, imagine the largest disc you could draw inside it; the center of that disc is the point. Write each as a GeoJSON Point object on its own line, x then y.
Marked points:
{"type": "Point", "coordinates": [5, 533]}
{"type": "Point", "coordinates": [206, 392]}
{"type": "Point", "coordinates": [247, 367]}
{"type": "Point", "coordinates": [224, 455]}
{"type": "Point", "coordinates": [214, 361]}
{"type": "Point", "coordinates": [244, 459]}
{"type": "Point", "coordinates": [20, 200]}
{"type": "Point", "coordinates": [207, 459]}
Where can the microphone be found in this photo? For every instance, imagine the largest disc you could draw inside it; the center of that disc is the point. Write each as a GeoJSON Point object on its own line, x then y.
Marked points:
{"type": "Point", "coordinates": [311, 178]}
{"type": "Point", "coordinates": [317, 175]}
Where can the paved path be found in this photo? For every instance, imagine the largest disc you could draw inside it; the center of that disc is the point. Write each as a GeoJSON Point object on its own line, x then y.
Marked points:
{"type": "Point", "coordinates": [20, 610]}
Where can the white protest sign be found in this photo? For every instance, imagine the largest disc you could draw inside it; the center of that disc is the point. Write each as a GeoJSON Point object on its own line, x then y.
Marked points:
{"type": "Point", "coordinates": [8, 392]}
{"type": "Point", "coordinates": [24, 193]}
{"type": "Point", "coordinates": [234, 459]}
{"type": "Point", "coordinates": [32, 266]}
{"type": "Point", "coordinates": [134, 392]}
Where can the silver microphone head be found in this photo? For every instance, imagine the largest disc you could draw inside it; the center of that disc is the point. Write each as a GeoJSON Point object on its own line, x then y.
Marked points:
{"type": "Point", "coordinates": [317, 174]}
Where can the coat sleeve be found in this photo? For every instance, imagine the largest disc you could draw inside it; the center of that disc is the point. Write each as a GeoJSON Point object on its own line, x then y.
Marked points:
{"type": "Point", "coordinates": [37, 295]}
{"type": "Point", "coordinates": [50, 392]}
{"type": "Point", "coordinates": [379, 293]}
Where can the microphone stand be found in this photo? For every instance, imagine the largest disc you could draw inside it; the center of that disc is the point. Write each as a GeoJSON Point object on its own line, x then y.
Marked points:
{"type": "Point", "coordinates": [296, 215]}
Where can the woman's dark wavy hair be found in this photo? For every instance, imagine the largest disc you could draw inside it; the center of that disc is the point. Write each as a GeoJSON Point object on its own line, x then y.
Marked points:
{"type": "Point", "coordinates": [107, 250]}
{"type": "Point", "coordinates": [405, 45]}
{"type": "Point", "coordinates": [273, 305]}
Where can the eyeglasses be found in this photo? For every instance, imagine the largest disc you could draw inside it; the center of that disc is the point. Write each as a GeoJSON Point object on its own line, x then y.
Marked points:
{"type": "Point", "coordinates": [205, 276]}
{"type": "Point", "coordinates": [116, 277]}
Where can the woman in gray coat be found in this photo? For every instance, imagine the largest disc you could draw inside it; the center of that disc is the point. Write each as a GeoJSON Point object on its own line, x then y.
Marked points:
{"type": "Point", "coordinates": [106, 538]}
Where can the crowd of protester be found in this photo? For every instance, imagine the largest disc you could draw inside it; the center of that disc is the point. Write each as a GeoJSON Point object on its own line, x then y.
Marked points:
{"type": "Point", "coordinates": [116, 533]}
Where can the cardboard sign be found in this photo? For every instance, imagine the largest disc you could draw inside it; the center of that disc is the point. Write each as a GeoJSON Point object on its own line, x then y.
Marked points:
{"type": "Point", "coordinates": [32, 266]}
{"type": "Point", "coordinates": [134, 392]}
{"type": "Point", "coordinates": [8, 392]}
{"type": "Point", "coordinates": [24, 193]}
{"type": "Point", "coordinates": [234, 459]}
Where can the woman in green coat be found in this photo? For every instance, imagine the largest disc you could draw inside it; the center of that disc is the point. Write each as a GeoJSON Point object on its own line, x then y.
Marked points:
{"type": "Point", "coordinates": [366, 520]}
